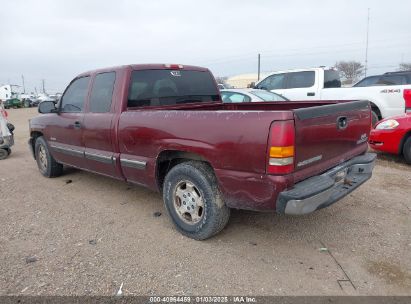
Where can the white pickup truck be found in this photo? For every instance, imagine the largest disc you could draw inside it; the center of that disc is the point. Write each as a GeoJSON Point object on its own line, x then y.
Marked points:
{"type": "Point", "coordinates": [324, 84]}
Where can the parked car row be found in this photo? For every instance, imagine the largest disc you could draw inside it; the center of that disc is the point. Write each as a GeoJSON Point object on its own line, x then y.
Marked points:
{"type": "Point", "coordinates": [15, 103]}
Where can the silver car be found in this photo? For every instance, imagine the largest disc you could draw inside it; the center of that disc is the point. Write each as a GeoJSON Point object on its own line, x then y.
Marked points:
{"type": "Point", "coordinates": [249, 95]}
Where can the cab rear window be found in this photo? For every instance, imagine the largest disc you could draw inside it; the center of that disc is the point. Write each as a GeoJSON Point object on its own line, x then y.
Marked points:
{"type": "Point", "coordinates": [171, 87]}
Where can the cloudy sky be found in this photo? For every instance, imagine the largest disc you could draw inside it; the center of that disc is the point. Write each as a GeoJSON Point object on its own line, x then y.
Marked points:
{"type": "Point", "coordinates": [55, 39]}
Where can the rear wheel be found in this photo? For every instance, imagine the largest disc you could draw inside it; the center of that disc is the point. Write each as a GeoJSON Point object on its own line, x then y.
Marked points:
{"type": "Point", "coordinates": [193, 200]}
{"type": "Point", "coordinates": [406, 150]}
{"type": "Point", "coordinates": [45, 161]}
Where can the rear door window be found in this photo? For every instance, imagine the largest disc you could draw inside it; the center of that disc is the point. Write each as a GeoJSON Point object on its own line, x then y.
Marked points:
{"type": "Point", "coordinates": [75, 95]}
{"type": "Point", "coordinates": [102, 92]}
{"type": "Point", "coordinates": [304, 79]}
{"type": "Point", "coordinates": [171, 87]}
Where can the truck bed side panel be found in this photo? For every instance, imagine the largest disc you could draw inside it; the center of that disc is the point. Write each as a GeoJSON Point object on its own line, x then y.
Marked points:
{"type": "Point", "coordinates": [233, 142]}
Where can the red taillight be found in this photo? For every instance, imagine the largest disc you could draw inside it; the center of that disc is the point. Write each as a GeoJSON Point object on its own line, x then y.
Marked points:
{"type": "Point", "coordinates": [407, 99]}
{"type": "Point", "coordinates": [174, 66]}
{"type": "Point", "coordinates": [281, 147]}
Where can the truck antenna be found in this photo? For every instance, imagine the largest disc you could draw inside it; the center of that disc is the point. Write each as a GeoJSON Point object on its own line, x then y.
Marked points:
{"type": "Point", "coordinates": [366, 44]}
{"type": "Point", "coordinates": [24, 87]}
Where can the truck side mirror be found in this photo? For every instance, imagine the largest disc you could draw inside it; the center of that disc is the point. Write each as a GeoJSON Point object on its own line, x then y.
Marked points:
{"type": "Point", "coordinates": [47, 107]}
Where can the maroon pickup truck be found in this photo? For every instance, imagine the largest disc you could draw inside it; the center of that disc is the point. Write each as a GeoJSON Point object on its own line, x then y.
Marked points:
{"type": "Point", "coordinates": [164, 127]}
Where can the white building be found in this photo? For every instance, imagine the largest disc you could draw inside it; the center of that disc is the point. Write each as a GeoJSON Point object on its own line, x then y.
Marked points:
{"type": "Point", "coordinates": [244, 80]}
{"type": "Point", "coordinates": [8, 91]}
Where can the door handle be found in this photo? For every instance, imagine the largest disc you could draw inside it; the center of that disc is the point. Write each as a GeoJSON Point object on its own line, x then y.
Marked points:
{"type": "Point", "coordinates": [310, 94]}
{"type": "Point", "coordinates": [77, 125]}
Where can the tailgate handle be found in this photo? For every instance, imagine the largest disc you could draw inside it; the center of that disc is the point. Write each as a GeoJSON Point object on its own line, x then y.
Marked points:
{"type": "Point", "coordinates": [311, 94]}
{"type": "Point", "coordinates": [342, 122]}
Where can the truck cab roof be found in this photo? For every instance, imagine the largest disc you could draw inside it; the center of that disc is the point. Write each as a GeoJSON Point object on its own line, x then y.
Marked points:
{"type": "Point", "coordinates": [145, 66]}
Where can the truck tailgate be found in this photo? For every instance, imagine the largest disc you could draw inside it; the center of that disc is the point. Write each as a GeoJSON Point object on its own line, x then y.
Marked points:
{"type": "Point", "coordinates": [328, 135]}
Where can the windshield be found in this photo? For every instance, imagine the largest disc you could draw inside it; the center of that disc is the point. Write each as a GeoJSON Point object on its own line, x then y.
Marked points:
{"type": "Point", "coordinates": [170, 87]}
{"type": "Point", "coordinates": [268, 96]}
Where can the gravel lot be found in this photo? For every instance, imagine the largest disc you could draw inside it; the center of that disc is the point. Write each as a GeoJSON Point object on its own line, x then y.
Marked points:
{"type": "Point", "coordinates": [84, 234]}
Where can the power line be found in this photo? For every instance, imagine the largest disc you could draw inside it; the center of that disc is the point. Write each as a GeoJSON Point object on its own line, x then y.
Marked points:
{"type": "Point", "coordinates": [280, 55]}
{"type": "Point", "coordinates": [278, 52]}
{"type": "Point", "coordinates": [24, 86]}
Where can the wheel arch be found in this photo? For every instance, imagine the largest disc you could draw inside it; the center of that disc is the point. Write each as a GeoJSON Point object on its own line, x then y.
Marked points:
{"type": "Point", "coordinates": [33, 137]}
{"type": "Point", "coordinates": [376, 109]}
{"type": "Point", "coordinates": [402, 142]}
{"type": "Point", "coordinates": [167, 159]}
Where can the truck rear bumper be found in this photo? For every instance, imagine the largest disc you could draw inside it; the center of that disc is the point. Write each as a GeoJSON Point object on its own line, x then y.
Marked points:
{"type": "Point", "coordinates": [323, 190]}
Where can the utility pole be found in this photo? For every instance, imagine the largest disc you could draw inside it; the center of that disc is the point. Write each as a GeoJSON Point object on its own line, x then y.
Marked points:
{"type": "Point", "coordinates": [42, 84]}
{"type": "Point", "coordinates": [259, 62]}
{"type": "Point", "coordinates": [366, 46]}
{"type": "Point", "coordinates": [24, 87]}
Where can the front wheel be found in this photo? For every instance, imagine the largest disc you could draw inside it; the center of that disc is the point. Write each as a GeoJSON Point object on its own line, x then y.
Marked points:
{"type": "Point", "coordinates": [406, 150]}
{"type": "Point", "coordinates": [45, 161]}
{"type": "Point", "coordinates": [193, 200]}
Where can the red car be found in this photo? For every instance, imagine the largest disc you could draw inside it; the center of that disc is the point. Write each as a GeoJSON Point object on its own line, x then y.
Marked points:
{"type": "Point", "coordinates": [393, 135]}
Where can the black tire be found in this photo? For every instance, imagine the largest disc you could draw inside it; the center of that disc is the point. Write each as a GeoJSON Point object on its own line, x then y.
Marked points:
{"type": "Point", "coordinates": [10, 127]}
{"type": "Point", "coordinates": [406, 150]}
{"type": "Point", "coordinates": [212, 215]}
{"type": "Point", "coordinates": [374, 117]}
{"type": "Point", "coordinates": [45, 161]}
{"type": "Point", "coordinates": [8, 151]}
{"type": "Point", "coordinates": [3, 154]}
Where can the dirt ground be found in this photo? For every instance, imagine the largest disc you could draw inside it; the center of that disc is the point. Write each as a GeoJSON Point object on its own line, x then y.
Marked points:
{"type": "Point", "coordinates": [84, 234]}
